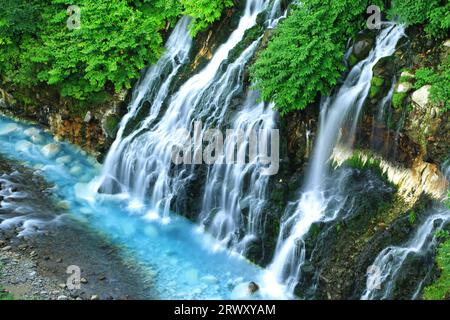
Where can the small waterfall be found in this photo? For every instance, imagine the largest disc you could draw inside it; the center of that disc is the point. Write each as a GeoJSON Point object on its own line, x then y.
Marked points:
{"type": "Point", "coordinates": [338, 113]}
{"type": "Point", "coordinates": [141, 164]}
{"type": "Point", "coordinates": [388, 265]}
{"type": "Point", "coordinates": [236, 194]}
{"type": "Point", "coordinates": [149, 88]}
{"type": "Point", "coordinates": [230, 189]}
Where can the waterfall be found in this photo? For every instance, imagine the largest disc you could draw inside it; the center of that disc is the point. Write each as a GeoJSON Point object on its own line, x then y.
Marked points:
{"type": "Point", "coordinates": [141, 164]}
{"type": "Point", "coordinates": [236, 194]}
{"type": "Point", "coordinates": [230, 189]}
{"type": "Point", "coordinates": [387, 267]}
{"type": "Point", "coordinates": [338, 112]}
{"type": "Point", "coordinates": [149, 88]}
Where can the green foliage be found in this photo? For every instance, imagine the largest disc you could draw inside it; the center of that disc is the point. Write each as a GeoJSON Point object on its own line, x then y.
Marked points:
{"type": "Point", "coordinates": [435, 14]}
{"type": "Point", "coordinates": [5, 295]}
{"type": "Point", "coordinates": [375, 88]}
{"type": "Point", "coordinates": [116, 40]}
{"type": "Point", "coordinates": [439, 79]}
{"type": "Point", "coordinates": [305, 57]}
{"type": "Point", "coordinates": [377, 81]}
{"type": "Point", "coordinates": [397, 99]}
{"type": "Point", "coordinates": [440, 289]}
{"type": "Point", "coordinates": [442, 234]}
{"type": "Point", "coordinates": [412, 217]}
{"type": "Point", "coordinates": [356, 162]}
{"type": "Point", "coordinates": [204, 12]}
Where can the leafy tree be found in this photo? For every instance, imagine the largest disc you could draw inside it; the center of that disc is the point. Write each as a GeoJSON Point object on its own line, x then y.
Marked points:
{"type": "Point", "coordinates": [305, 57]}
{"type": "Point", "coordinates": [204, 12]}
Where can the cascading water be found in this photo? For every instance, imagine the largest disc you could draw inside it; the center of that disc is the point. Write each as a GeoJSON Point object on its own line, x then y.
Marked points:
{"type": "Point", "coordinates": [143, 166]}
{"type": "Point", "coordinates": [178, 257]}
{"type": "Point", "coordinates": [340, 111]}
{"type": "Point", "coordinates": [141, 163]}
{"type": "Point", "coordinates": [389, 264]}
{"type": "Point", "coordinates": [387, 267]}
{"type": "Point", "coordinates": [150, 88]}
{"type": "Point", "coordinates": [232, 188]}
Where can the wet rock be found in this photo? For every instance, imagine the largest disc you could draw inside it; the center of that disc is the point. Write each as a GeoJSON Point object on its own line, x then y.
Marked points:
{"type": "Point", "coordinates": [64, 160]}
{"type": "Point", "coordinates": [363, 45]}
{"type": "Point", "coordinates": [8, 129]}
{"type": "Point", "coordinates": [51, 150]}
{"type": "Point", "coordinates": [253, 287]}
{"type": "Point", "coordinates": [94, 297]}
{"type": "Point", "coordinates": [77, 170]}
{"type": "Point", "coordinates": [406, 74]}
{"type": "Point", "coordinates": [88, 117]}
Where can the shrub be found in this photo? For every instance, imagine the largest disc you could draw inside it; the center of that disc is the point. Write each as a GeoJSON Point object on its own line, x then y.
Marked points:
{"type": "Point", "coordinates": [440, 289]}
{"type": "Point", "coordinates": [439, 79]}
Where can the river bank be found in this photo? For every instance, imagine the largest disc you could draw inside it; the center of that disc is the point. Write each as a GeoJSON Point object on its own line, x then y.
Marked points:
{"type": "Point", "coordinates": [34, 257]}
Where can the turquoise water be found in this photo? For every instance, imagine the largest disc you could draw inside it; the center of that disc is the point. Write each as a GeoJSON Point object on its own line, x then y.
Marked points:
{"type": "Point", "coordinates": [185, 262]}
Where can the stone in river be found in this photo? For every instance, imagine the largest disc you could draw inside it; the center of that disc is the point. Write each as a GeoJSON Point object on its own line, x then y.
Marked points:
{"type": "Point", "coordinates": [8, 129]}
{"type": "Point", "coordinates": [51, 150]}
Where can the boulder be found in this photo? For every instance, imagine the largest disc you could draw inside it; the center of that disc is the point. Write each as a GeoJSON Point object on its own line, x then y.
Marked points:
{"type": "Point", "coordinates": [51, 150]}
{"type": "Point", "coordinates": [404, 87]}
{"type": "Point", "coordinates": [421, 97]}
{"type": "Point", "coordinates": [363, 44]}
{"type": "Point", "coordinates": [88, 117]}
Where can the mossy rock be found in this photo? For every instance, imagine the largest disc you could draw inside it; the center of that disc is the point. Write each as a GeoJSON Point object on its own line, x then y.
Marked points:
{"type": "Point", "coordinates": [353, 60]}
{"type": "Point", "coordinates": [376, 86]}
{"type": "Point", "coordinates": [398, 100]}
{"type": "Point", "coordinates": [363, 43]}
{"type": "Point", "coordinates": [111, 126]}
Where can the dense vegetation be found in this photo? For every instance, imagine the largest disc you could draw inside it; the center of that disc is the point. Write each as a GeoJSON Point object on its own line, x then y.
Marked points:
{"type": "Point", "coordinates": [89, 53]}
{"type": "Point", "coordinates": [204, 12]}
{"type": "Point", "coordinates": [305, 56]}
{"type": "Point", "coordinates": [433, 14]}
{"type": "Point", "coordinates": [304, 59]}
{"type": "Point", "coordinates": [439, 79]}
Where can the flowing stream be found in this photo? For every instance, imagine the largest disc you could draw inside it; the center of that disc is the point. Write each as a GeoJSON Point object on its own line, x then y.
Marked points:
{"type": "Point", "coordinates": [180, 257]}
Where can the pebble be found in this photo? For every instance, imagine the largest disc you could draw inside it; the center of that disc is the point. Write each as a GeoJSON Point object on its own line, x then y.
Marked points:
{"type": "Point", "coordinates": [83, 280]}
{"type": "Point", "coordinates": [94, 297]}
{"type": "Point", "coordinates": [7, 248]}
{"type": "Point", "coordinates": [62, 298]}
